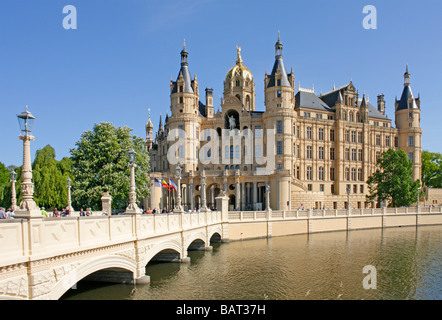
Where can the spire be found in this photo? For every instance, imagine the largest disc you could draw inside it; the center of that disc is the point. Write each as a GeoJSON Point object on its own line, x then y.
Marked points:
{"type": "Point", "coordinates": [184, 54]}
{"type": "Point", "coordinates": [407, 77]}
{"type": "Point", "coordinates": [278, 47]}
{"type": "Point", "coordinates": [363, 103]}
{"type": "Point", "coordinates": [160, 127]}
{"type": "Point", "coordinates": [149, 124]}
{"type": "Point", "coordinates": [278, 65]}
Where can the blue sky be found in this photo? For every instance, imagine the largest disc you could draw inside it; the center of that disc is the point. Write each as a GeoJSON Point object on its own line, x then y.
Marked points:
{"type": "Point", "coordinates": [119, 60]}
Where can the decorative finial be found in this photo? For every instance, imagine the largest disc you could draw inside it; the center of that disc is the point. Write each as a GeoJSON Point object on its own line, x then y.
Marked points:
{"type": "Point", "coordinates": [184, 44]}
{"type": "Point", "coordinates": [278, 36]}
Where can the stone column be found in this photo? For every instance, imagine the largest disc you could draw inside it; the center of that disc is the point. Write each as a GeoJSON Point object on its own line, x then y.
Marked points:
{"type": "Point", "coordinates": [192, 205]}
{"type": "Point", "coordinates": [203, 193]}
{"type": "Point", "coordinates": [178, 206]}
{"type": "Point", "coordinates": [13, 196]}
{"type": "Point", "coordinates": [243, 196]}
{"type": "Point", "coordinates": [237, 195]}
{"type": "Point", "coordinates": [28, 208]}
{"type": "Point", "coordinates": [254, 194]}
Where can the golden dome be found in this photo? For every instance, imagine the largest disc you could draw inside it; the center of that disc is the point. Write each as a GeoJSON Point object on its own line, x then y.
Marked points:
{"type": "Point", "coordinates": [239, 70]}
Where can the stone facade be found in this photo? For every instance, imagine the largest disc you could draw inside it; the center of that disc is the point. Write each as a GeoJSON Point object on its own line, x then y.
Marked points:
{"type": "Point", "coordinates": [318, 147]}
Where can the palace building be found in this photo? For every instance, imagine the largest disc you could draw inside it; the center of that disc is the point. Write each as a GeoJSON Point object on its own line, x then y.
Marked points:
{"type": "Point", "coordinates": [321, 151]}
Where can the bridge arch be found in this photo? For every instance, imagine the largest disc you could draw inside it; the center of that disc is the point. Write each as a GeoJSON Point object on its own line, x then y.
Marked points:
{"type": "Point", "coordinates": [166, 246]}
{"type": "Point", "coordinates": [87, 268]}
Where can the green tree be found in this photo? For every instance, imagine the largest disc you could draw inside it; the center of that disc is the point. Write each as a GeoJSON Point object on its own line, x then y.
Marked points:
{"type": "Point", "coordinates": [4, 185]}
{"type": "Point", "coordinates": [100, 163]}
{"type": "Point", "coordinates": [432, 169]}
{"type": "Point", "coordinates": [392, 181]}
{"type": "Point", "coordinates": [50, 179]}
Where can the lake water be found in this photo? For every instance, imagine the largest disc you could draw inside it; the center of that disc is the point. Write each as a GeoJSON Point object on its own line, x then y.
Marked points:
{"type": "Point", "coordinates": [407, 264]}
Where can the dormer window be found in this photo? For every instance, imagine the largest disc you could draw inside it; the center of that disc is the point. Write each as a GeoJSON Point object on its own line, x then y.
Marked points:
{"type": "Point", "coordinates": [237, 83]}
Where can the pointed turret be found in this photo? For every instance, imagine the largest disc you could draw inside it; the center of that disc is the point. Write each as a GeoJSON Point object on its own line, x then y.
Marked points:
{"type": "Point", "coordinates": [149, 136]}
{"type": "Point", "coordinates": [279, 76]}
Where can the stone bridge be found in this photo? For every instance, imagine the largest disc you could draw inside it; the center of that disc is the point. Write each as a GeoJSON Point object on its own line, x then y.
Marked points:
{"type": "Point", "coordinates": [42, 258]}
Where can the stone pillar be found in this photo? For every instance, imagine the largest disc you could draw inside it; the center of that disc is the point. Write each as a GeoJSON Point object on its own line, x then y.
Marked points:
{"type": "Point", "coordinates": [237, 195]}
{"type": "Point", "coordinates": [106, 203]}
{"type": "Point", "coordinates": [222, 204]}
{"type": "Point", "coordinates": [243, 196]}
{"type": "Point", "coordinates": [254, 194]}
{"type": "Point", "coordinates": [203, 193]}
{"type": "Point", "coordinates": [13, 196]}
{"type": "Point", "coordinates": [192, 205]}
{"type": "Point", "coordinates": [28, 208]}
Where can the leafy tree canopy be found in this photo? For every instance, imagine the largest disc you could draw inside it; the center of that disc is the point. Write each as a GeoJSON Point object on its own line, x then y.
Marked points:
{"type": "Point", "coordinates": [100, 164]}
{"type": "Point", "coordinates": [432, 169]}
{"type": "Point", "coordinates": [392, 181]}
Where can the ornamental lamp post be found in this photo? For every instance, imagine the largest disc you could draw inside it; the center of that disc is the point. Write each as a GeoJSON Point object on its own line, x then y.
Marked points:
{"type": "Point", "coordinates": [132, 208]}
{"type": "Point", "coordinates": [71, 210]}
{"type": "Point", "coordinates": [28, 208]}
{"type": "Point", "coordinates": [13, 176]}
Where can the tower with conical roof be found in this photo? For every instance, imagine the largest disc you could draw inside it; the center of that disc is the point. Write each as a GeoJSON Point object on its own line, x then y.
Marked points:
{"type": "Point", "coordinates": [280, 116]}
{"type": "Point", "coordinates": [185, 118]}
{"type": "Point", "coordinates": [407, 118]}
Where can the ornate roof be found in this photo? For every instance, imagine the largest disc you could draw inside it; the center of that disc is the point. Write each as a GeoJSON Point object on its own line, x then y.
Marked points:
{"type": "Point", "coordinates": [239, 70]}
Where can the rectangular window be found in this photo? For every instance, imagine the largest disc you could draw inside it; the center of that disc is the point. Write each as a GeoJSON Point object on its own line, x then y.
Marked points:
{"type": "Point", "coordinates": [347, 135]}
{"type": "Point", "coordinates": [258, 151]}
{"type": "Point", "coordinates": [321, 153]}
{"type": "Point", "coordinates": [353, 155]}
{"type": "Point", "coordinates": [332, 153]}
{"type": "Point", "coordinates": [410, 141]}
{"type": "Point", "coordinates": [309, 173]}
{"type": "Point", "coordinates": [279, 147]}
{"type": "Point", "coordinates": [332, 135]}
{"type": "Point", "coordinates": [321, 173]}
{"type": "Point", "coordinates": [360, 155]}
{"type": "Point", "coordinates": [410, 156]}
{"type": "Point", "coordinates": [309, 152]}
{"type": "Point", "coordinates": [347, 154]}
{"type": "Point", "coordinates": [309, 133]}
{"type": "Point", "coordinates": [321, 134]}
{"type": "Point", "coordinates": [360, 137]}
{"type": "Point", "coordinates": [332, 174]}
{"type": "Point", "coordinates": [278, 126]}
{"type": "Point", "coordinates": [353, 136]}
{"type": "Point", "coordinates": [378, 139]}
{"type": "Point", "coordinates": [387, 141]}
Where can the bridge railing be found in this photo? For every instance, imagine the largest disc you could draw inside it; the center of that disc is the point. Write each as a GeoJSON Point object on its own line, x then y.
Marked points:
{"type": "Point", "coordinates": [312, 213]}
{"type": "Point", "coordinates": [23, 239]}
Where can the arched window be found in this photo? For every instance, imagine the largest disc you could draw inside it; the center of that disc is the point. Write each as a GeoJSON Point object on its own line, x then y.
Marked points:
{"type": "Point", "coordinates": [231, 152]}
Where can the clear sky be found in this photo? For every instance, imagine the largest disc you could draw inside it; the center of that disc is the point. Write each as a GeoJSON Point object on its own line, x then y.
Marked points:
{"type": "Point", "coordinates": [120, 59]}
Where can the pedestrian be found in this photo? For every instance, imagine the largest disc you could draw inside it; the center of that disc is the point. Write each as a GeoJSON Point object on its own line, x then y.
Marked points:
{"type": "Point", "coordinates": [3, 214]}
{"type": "Point", "coordinates": [55, 213]}
{"type": "Point", "coordinates": [43, 212]}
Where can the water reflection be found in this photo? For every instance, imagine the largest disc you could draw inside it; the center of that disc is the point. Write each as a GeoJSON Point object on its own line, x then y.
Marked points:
{"type": "Point", "coordinates": [316, 266]}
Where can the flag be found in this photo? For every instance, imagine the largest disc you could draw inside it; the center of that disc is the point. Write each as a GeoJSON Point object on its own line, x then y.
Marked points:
{"type": "Point", "coordinates": [172, 185]}
{"type": "Point", "coordinates": [156, 183]}
{"type": "Point", "coordinates": [164, 183]}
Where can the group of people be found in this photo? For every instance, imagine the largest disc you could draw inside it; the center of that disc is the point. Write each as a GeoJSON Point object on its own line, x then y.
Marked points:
{"type": "Point", "coordinates": [6, 214]}
{"type": "Point", "coordinates": [85, 213]}
{"type": "Point", "coordinates": [155, 210]}
{"type": "Point", "coordinates": [65, 212]}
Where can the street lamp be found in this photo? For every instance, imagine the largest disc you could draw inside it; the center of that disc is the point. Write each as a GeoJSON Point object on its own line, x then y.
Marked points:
{"type": "Point", "coordinates": [13, 176]}
{"type": "Point", "coordinates": [132, 208]}
{"type": "Point", "coordinates": [28, 208]}
{"type": "Point", "coordinates": [69, 196]}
